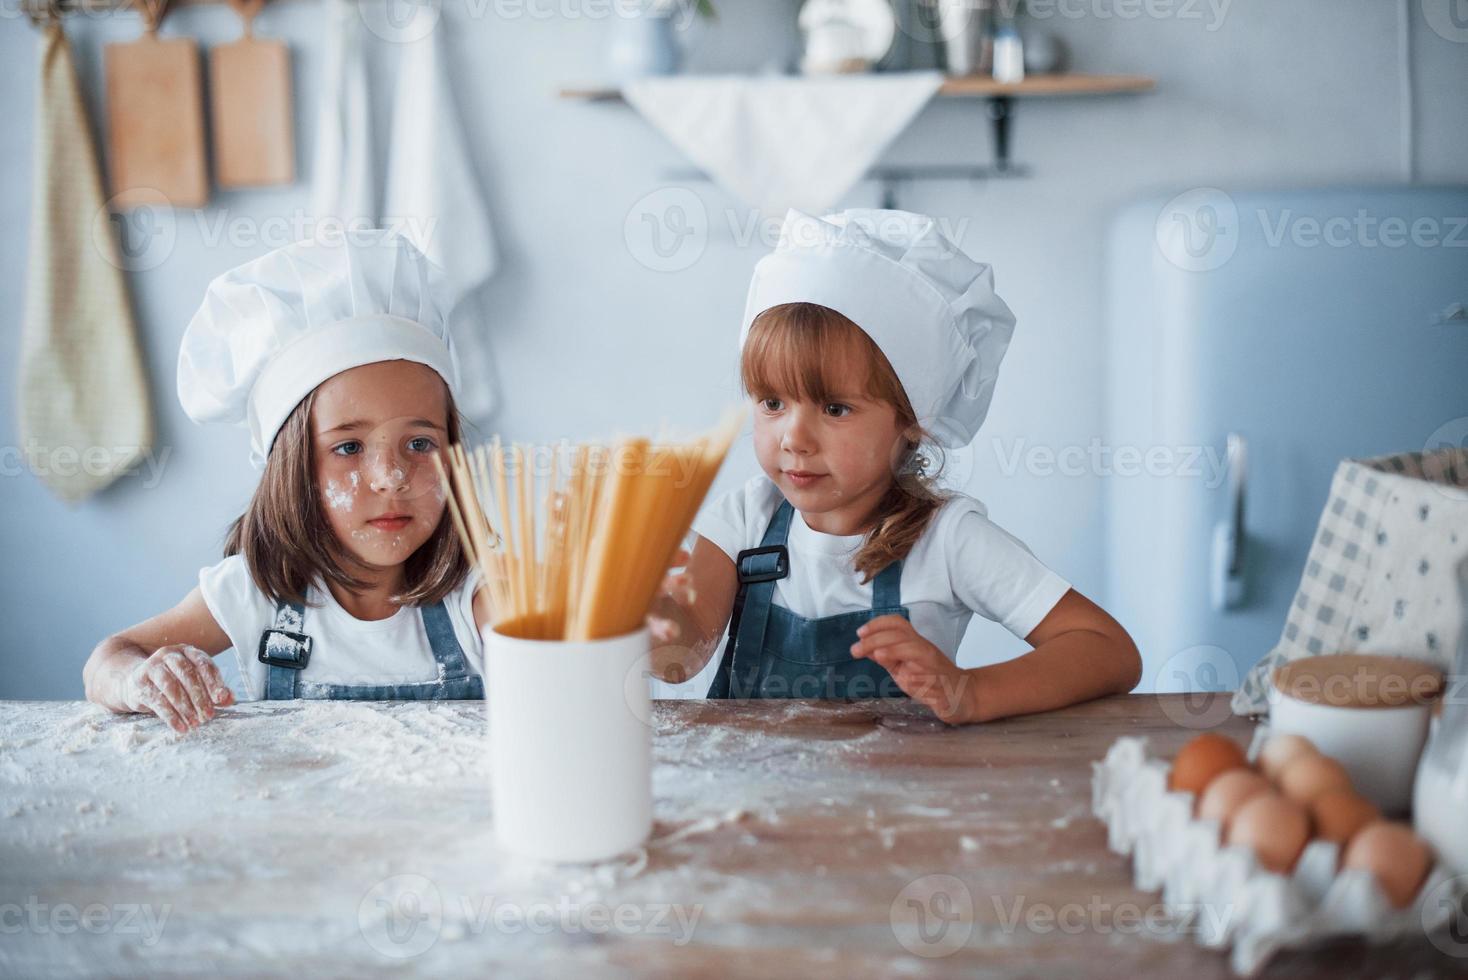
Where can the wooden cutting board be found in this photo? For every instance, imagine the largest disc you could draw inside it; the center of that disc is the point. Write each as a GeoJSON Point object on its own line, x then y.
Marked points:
{"type": "Point", "coordinates": [250, 99]}
{"type": "Point", "coordinates": [155, 118]}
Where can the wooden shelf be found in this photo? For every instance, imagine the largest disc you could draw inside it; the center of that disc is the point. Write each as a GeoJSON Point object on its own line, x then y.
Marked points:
{"type": "Point", "coordinates": [1036, 86]}
{"type": "Point", "coordinates": [999, 100]}
{"type": "Point", "coordinates": [106, 6]}
{"type": "Point", "coordinates": [1048, 85]}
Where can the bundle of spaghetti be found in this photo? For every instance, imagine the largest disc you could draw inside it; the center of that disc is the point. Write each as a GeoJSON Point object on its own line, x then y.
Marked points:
{"type": "Point", "coordinates": [573, 542]}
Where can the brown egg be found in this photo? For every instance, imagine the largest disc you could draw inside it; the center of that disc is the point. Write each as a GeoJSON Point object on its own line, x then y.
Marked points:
{"type": "Point", "coordinates": [1399, 859]}
{"type": "Point", "coordinates": [1276, 829]}
{"type": "Point", "coordinates": [1307, 776]}
{"type": "Point", "coordinates": [1339, 813]}
{"type": "Point", "coordinates": [1202, 759]}
{"type": "Point", "coordinates": [1231, 790]}
{"type": "Point", "coordinates": [1280, 750]}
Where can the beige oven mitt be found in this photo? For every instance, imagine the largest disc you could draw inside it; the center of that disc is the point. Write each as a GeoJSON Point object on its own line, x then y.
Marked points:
{"type": "Point", "coordinates": [85, 418]}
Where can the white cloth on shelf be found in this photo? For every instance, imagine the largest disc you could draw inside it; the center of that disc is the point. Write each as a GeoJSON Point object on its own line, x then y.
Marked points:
{"type": "Point", "coordinates": [784, 142]}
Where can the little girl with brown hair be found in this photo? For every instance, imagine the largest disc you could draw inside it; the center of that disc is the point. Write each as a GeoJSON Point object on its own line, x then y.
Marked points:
{"type": "Point", "coordinates": [342, 579]}
{"type": "Point", "coordinates": [842, 571]}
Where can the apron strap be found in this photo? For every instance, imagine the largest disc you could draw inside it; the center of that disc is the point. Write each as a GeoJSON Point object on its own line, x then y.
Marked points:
{"type": "Point", "coordinates": [284, 643]}
{"type": "Point", "coordinates": [887, 587]}
{"type": "Point", "coordinates": [778, 531]}
{"type": "Point", "coordinates": [443, 641]}
{"type": "Point", "coordinates": [759, 569]}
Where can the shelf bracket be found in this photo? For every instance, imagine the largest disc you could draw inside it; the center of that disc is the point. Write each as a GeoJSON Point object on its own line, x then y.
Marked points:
{"type": "Point", "coordinates": [1001, 111]}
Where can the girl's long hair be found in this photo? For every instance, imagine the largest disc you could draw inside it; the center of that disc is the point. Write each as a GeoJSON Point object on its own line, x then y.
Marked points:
{"type": "Point", "coordinates": [288, 542]}
{"type": "Point", "coordinates": [801, 350]}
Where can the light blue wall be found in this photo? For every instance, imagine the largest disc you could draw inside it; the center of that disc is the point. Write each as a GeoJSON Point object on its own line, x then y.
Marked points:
{"type": "Point", "coordinates": [589, 341]}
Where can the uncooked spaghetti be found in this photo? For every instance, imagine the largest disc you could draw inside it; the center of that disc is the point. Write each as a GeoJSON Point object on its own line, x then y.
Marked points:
{"type": "Point", "coordinates": [573, 541]}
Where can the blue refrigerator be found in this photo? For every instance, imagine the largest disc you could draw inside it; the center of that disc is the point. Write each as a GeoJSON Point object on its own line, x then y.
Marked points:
{"type": "Point", "coordinates": [1255, 340]}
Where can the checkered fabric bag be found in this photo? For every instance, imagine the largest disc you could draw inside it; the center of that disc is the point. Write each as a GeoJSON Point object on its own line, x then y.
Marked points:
{"type": "Point", "coordinates": [1382, 574]}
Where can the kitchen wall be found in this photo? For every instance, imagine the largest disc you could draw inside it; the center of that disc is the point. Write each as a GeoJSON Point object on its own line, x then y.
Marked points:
{"type": "Point", "coordinates": [588, 340]}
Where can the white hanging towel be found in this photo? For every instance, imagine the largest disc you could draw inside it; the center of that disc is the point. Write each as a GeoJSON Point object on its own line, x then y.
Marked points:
{"type": "Point", "coordinates": [784, 142]}
{"type": "Point", "coordinates": [85, 418]}
{"type": "Point", "coordinates": [434, 198]}
{"type": "Point", "coordinates": [342, 185]}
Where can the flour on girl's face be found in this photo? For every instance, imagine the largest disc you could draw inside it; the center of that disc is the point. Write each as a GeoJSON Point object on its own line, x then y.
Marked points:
{"type": "Point", "coordinates": [340, 499]}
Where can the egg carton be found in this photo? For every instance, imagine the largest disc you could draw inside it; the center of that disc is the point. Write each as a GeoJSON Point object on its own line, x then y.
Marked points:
{"type": "Point", "coordinates": [1221, 895]}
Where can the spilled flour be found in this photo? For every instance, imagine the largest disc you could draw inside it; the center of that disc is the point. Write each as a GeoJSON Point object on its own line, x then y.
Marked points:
{"type": "Point", "coordinates": [307, 831]}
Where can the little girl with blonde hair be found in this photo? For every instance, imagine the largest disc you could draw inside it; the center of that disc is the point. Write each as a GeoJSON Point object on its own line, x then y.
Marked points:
{"type": "Point", "coordinates": [869, 341]}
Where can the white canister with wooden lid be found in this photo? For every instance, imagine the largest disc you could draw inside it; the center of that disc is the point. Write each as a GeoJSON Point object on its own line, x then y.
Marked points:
{"type": "Point", "coordinates": [1369, 712]}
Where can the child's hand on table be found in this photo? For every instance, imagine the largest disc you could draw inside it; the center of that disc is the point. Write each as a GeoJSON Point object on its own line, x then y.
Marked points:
{"type": "Point", "coordinates": [179, 684]}
{"type": "Point", "coordinates": [918, 667]}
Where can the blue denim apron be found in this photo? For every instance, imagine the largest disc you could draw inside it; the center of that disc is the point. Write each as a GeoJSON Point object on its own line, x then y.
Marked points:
{"type": "Point", "coordinates": [285, 650]}
{"type": "Point", "coordinates": [773, 653]}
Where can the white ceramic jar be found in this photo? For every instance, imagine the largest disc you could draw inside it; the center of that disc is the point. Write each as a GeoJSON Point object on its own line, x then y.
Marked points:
{"type": "Point", "coordinates": [1370, 713]}
{"type": "Point", "coordinates": [570, 745]}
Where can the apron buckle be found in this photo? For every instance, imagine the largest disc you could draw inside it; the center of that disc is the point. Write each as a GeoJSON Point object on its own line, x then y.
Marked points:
{"type": "Point", "coordinates": [755, 566]}
{"type": "Point", "coordinates": [282, 648]}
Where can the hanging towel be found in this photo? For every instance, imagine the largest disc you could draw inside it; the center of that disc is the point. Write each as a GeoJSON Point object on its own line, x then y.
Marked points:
{"type": "Point", "coordinates": [434, 198]}
{"type": "Point", "coordinates": [85, 418]}
{"type": "Point", "coordinates": [778, 143]}
{"type": "Point", "coordinates": [342, 185]}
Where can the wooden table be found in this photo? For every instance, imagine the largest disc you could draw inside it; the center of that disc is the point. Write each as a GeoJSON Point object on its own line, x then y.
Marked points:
{"type": "Point", "coordinates": [793, 839]}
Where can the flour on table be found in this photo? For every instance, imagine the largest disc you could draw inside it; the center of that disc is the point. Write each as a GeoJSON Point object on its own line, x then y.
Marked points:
{"type": "Point", "coordinates": [333, 799]}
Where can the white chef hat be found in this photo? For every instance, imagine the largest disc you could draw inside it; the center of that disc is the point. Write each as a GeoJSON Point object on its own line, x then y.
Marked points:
{"type": "Point", "coordinates": [274, 328]}
{"type": "Point", "coordinates": [930, 308]}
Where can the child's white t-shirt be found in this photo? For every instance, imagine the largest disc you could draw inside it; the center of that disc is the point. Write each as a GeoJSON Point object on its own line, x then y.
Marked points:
{"type": "Point", "coordinates": [344, 649]}
{"type": "Point", "coordinates": [963, 564]}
